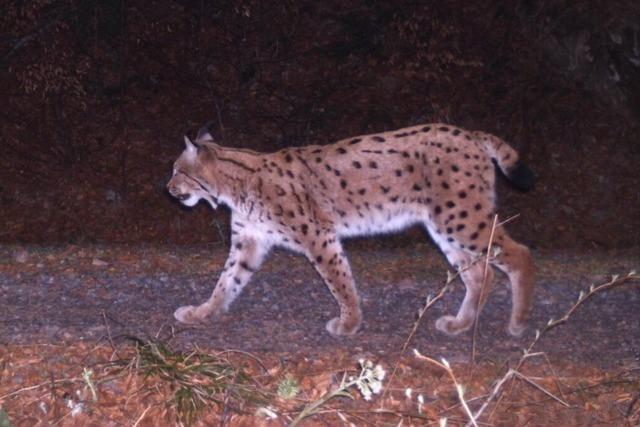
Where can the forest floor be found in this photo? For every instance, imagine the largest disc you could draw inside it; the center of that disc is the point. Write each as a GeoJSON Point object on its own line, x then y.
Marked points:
{"type": "Point", "coordinates": [86, 331]}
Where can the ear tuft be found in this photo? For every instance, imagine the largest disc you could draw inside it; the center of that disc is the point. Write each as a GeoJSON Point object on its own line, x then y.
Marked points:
{"type": "Point", "coordinates": [204, 135]}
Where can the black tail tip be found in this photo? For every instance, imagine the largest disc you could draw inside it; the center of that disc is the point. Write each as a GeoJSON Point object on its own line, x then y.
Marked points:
{"type": "Point", "coordinates": [521, 177]}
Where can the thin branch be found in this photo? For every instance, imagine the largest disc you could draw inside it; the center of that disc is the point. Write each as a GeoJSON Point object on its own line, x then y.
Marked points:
{"type": "Point", "coordinates": [614, 282]}
{"type": "Point", "coordinates": [485, 276]}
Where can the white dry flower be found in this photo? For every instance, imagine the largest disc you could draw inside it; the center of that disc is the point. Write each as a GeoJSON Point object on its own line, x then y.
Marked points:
{"type": "Point", "coordinates": [376, 387]}
{"type": "Point", "coordinates": [77, 409]}
{"type": "Point", "coordinates": [420, 403]}
{"type": "Point", "coordinates": [408, 392]}
{"type": "Point", "coordinates": [369, 382]}
{"type": "Point", "coordinates": [379, 372]}
{"type": "Point", "coordinates": [266, 412]}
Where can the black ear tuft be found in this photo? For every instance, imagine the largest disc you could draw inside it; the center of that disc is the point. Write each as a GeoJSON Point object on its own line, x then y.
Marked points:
{"type": "Point", "coordinates": [521, 177]}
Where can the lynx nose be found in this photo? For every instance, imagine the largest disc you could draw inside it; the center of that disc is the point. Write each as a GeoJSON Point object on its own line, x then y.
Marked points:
{"type": "Point", "coordinates": [183, 197]}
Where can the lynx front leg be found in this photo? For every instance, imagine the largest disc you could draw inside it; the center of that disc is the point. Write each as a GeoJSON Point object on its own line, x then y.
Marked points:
{"type": "Point", "coordinates": [334, 269]}
{"type": "Point", "coordinates": [245, 257]}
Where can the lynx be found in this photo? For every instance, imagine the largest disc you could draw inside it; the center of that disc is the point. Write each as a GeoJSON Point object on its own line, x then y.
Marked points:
{"type": "Point", "coordinates": [307, 198]}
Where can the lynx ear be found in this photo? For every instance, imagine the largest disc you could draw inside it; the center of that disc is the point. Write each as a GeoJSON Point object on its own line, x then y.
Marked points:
{"type": "Point", "coordinates": [190, 148]}
{"type": "Point", "coordinates": [204, 135]}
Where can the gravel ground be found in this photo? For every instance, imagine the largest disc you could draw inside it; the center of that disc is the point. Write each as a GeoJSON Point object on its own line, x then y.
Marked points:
{"type": "Point", "coordinates": [69, 293]}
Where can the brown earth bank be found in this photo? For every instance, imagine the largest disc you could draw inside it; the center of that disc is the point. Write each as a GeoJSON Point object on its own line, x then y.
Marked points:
{"type": "Point", "coordinates": [69, 307]}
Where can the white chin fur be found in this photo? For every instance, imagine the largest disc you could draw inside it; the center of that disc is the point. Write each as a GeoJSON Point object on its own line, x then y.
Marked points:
{"type": "Point", "coordinates": [191, 201]}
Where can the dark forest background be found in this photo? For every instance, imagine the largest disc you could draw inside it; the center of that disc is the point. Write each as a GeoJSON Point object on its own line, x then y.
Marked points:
{"type": "Point", "coordinates": [97, 94]}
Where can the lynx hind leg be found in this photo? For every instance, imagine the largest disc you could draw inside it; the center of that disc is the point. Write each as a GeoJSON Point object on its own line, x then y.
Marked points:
{"type": "Point", "coordinates": [477, 289]}
{"type": "Point", "coordinates": [516, 262]}
{"type": "Point", "coordinates": [245, 257]}
{"type": "Point", "coordinates": [333, 267]}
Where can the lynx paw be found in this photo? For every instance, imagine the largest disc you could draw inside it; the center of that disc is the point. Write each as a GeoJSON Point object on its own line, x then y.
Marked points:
{"type": "Point", "coordinates": [337, 328]}
{"type": "Point", "coordinates": [517, 328]}
{"type": "Point", "coordinates": [451, 326]}
{"type": "Point", "coordinates": [187, 314]}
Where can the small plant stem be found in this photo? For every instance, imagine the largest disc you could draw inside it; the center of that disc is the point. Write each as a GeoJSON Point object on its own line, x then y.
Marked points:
{"type": "Point", "coordinates": [312, 408]}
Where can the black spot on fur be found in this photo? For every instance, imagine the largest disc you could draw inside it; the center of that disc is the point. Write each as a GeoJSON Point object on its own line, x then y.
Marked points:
{"type": "Point", "coordinates": [343, 183]}
{"type": "Point", "coordinates": [416, 187]}
{"type": "Point", "coordinates": [357, 165]}
{"type": "Point", "coordinates": [305, 229]}
{"type": "Point", "coordinates": [245, 266]}
{"type": "Point", "coordinates": [354, 141]}
{"type": "Point", "coordinates": [398, 173]}
{"type": "Point", "coordinates": [477, 206]}
{"type": "Point", "coordinates": [464, 214]}
{"type": "Point", "coordinates": [426, 129]}
{"type": "Point", "coordinates": [443, 129]}
{"type": "Point", "coordinates": [450, 204]}
{"type": "Point", "coordinates": [288, 158]}
{"type": "Point", "coordinates": [319, 259]}
{"type": "Point", "coordinates": [341, 150]}
{"type": "Point", "coordinates": [384, 189]}
{"type": "Point", "coordinates": [462, 194]}
{"type": "Point", "coordinates": [373, 165]}
{"type": "Point", "coordinates": [445, 185]}
{"type": "Point", "coordinates": [378, 139]}
{"type": "Point", "coordinates": [438, 210]}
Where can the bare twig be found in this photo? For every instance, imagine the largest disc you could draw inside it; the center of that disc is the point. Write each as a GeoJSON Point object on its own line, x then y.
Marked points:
{"type": "Point", "coordinates": [614, 282]}
{"type": "Point", "coordinates": [485, 276]}
{"type": "Point", "coordinates": [141, 416]}
{"type": "Point", "coordinates": [459, 388]}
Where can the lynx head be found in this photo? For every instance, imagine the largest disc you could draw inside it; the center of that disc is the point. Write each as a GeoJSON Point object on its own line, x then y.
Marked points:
{"type": "Point", "coordinates": [189, 183]}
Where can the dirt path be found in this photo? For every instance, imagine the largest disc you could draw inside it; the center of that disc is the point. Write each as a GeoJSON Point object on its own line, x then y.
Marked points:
{"type": "Point", "coordinates": [70, 293]}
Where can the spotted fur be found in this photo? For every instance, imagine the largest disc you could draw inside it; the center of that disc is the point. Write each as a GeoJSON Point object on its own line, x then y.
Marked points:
{"type": "Point", "coordinates": [308, 198]}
